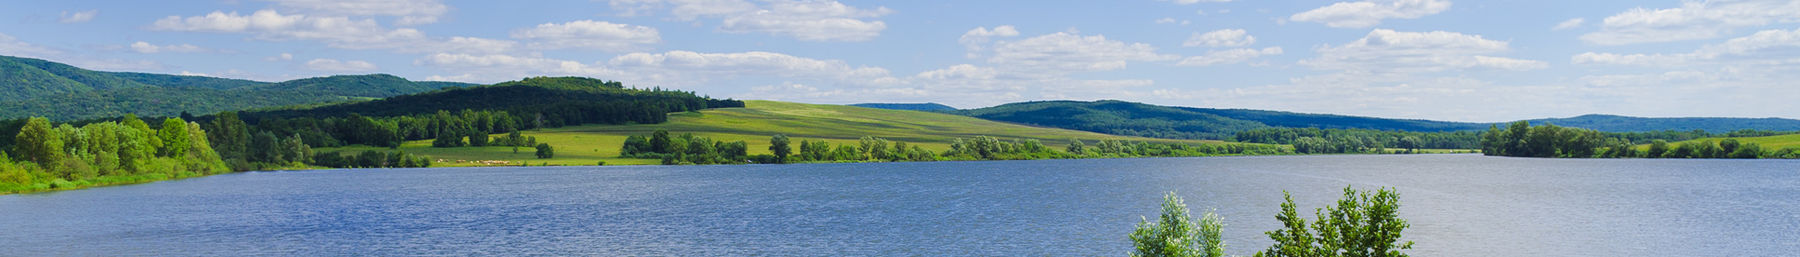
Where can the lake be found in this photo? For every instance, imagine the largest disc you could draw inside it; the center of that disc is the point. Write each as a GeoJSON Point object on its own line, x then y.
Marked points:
{"type": "Point", "coordinates": [1458, 205]}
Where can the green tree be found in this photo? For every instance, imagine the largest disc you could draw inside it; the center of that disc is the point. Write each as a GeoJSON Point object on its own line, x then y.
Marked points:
{"type": "Point", "coordinates": [1175, 234]}
{"type": "Point", "coordinates": [39, 143]}
{"type": "Point", "coordinates": [266, 148]}
{"type": "Point", "coordinates": [1658, 149]}
{"type": "Point", "coordinates": [779, 145]}
{"type": "Point", "coordinates": [1076, 147]}
{"type": "Point", "coordinates": [1362, 224]}
{"type": "Point", "coordinates": [660, 142]}
{"type": "Point", "coordinates": [544, 151]}
{"type": "Point", "coordinates": [229, 135]}
{"type": "Point", "coordinates": [174, 135]}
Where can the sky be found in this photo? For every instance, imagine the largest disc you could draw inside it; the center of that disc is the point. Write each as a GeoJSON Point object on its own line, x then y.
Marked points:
{"type": "Point", "coordinates": [1454, 60]}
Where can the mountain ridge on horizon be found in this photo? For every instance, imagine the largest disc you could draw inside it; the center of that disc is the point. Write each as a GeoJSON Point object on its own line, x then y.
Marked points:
{"type": "Point", "coordinates": [64, 92]}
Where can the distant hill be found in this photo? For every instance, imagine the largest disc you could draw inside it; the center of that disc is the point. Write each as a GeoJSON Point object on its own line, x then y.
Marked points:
{"type": "Point", "coordinates": [1138, 119]}
{"type": "Point", "coordinates": [575, 99]}
{"type": "Point", "coordinates": [1615, 123]}
{"type": "Point", "coordinates": [34, 87]}
{"type": "Point", "coordinates": [907, 106]}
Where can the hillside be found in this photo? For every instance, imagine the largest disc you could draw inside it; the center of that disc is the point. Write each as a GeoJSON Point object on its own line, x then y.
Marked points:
{"type": "Point", "coordinates": [907, 106]}
{"type": "Point", "coordinates": [1139, 119]}
{"type": "Point", "coordinates": [33, 87]}
{"type": "Point", "coordinates": [1130, 118]}
{"type": "Point", "coordinates": [1614, 123]}
{"type": "Point", "coordinates": [756, 122]}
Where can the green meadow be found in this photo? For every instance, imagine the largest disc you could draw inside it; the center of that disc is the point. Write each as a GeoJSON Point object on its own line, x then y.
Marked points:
{"type": "Point", "coordinates": [754, 124]}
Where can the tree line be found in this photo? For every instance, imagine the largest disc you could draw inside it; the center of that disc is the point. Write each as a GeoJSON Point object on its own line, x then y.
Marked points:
{"type": "Point", "coordinates": [870, 148]}
{"type": "Point", "coordinates": [45, 157]}
{"type": "Point", "coordinates": [1315, 140]}
{"type": "Point", "coordinates": [1521, 139]}
{"type": "Point", "coordinates": [683, 149]}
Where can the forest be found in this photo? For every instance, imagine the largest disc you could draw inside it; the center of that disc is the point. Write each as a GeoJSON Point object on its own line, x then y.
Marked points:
{"type": "Point", "coordinates": [1521, 139]}
{"type": "Point", "coordinates": [45, 156]}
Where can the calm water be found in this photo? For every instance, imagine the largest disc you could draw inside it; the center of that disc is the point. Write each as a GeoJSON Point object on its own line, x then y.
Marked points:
{"type": "Point", "coordinates": [1459, 205]}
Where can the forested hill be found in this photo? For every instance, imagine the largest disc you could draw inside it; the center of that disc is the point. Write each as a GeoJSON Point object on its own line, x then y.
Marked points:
{"type": "Point", "coordinates": [907, 106]}
{"type": "Point", "coordinates": [1138, 119]}
{"type": "Point", "coordinates": [1614, 123]}
{"type": "Point", "coordinates": [561, 100]}
{"type": "Point", "coordinates": [33, 87]}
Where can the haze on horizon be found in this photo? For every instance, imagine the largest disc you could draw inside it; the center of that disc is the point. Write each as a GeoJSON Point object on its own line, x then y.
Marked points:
{"type": "Point", "coordinates": [1453, 60]}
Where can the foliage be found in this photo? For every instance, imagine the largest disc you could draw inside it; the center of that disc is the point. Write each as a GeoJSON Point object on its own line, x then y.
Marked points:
{"type": "Point", "coordinates": [105, 153]}
{"type": "Point", "coordinates": [1137, 119]}
{"type": "Point", "coordinates": [544, 151]}
{"type": "Point", "coordinates": [1614, 123]}
{"type": "Point", "coordinates": [66, 93]}
{"type": "Point", "coordinates": [1523, 140]}
{"type": "Point", "coordinates": [1362, 224]}
{"type": "Point", "coordinates": [684, 149]}
{"type": "Point", "coordinates": [1359, 140]}
{"type": "Point", "coordinates": [1175, 234]}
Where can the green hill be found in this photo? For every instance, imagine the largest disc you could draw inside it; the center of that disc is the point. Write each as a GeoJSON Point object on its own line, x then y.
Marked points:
{"type": "Point", "coordinates": [907, 106]}
{"type": "Point", "coordinates": [755, 123]}
{"type": "Point", "coordinates": [33, 87]}
{"type": "Point", "coordinates": [1138, 119]}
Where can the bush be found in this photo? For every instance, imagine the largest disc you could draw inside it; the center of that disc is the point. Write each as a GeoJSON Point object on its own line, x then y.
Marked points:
{"type": "Point", "coordinates": [544, 151]}
{"type": "Point", "coordinates": [1175, 234]}
{"type": "Point", "coordinates": [1361, 224]}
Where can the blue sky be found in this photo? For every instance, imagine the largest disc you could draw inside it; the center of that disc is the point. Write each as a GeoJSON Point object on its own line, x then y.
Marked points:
{"type": "Point", "coordinates": [1430, 59]}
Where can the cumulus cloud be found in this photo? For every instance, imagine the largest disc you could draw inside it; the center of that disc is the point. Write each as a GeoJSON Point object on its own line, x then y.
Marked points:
{"type": "Point", "coordinates": [1228, 56]}
{"type": "Point", "coordinates": [979, 37]}
{"type": "Point", "coordinates": [1768, 47]}
{"type": "Point", "coordinates": [12, 46]}
{"type": "Point", "coordinates": [1363, 14]}
{"type": "Point", "coordinates": [410, 12]}
{"type": "Point", "coordinates": [332, 65]}
{"type": "Point", "coordinates": [77, 17]}
{"type": "Point", "coordinates": [147, 48]}
{"type": "Point", "coordinates": [1393, 52]}
{"type": "Point", "coordinates": [589, 34]}
{"type": "Point", "coordinates": [806, 20]}
{"type": "Point", "coordinates": [1066, 52]}
{"type": "Point", "coordinates": [334, 31]}
{"type": "Point", "coordinates": [1693, 20]}
{"type": "Point", "coordinates": [1188, 2]}
{"type": "Point", "coordinates": [1221, 38]}
{"type": "Point", "coordinates": [1569, 24]}
{"type": "Point", "coordinates": [280, 57]}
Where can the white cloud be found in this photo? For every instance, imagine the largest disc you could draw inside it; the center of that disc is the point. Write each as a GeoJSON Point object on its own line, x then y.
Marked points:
{"type": "Point", "coordinates": [1363, 14]}
{"type": "Point", "coordinates": [280, 57]}
{"type": "Point", "coordinates": [12, 46]}
{"type": "Point", "coordinates": [1387, 52]}
{"type": "Point", "coordinates": [410, 12]}
{"type": "Point", "coordinates": [1228, 56]}
{"type": "Point", "coordinates": [333, 31]}
{"type": "Point", "coordinates": [806, 20]}
{"type": "Point", "coordinates": [1188, 2]}
{"type": "Point", "coordinates": [77, 17]}
{"type": "Point", "coordinates": [1693, 20]}
{"type": "Point", "coordinates": [590, 34]}
{"type": "Point", "coordinates": [1221, 38]}
{"type": "Point", "coordinates": [338, 32]}
{"type": "Point", "coordinates": [1569, 24]}
{"type": "Point", "coordinates": [332, 65]}
{"type": "Point", "coordinates": [1764, 48]}
{"type": "Point", "coordinates": [1065, 52]}
{"type": "Point", "coordinates": [147, 48]}
{"type": "Point", "coordinates": [978, 37]}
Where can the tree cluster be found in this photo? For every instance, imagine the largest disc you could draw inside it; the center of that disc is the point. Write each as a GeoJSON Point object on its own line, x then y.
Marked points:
{"type": "Point", "coordinates": [45, 156]}
{"type": "Point", "coordinates": [372, 159]}
{"type": "Point", "coordinates": [683, 149]}
{"type": "Point", "coordinates": [868, 148]}
{"type": "Point", "coordinates": [1520, 139]}
{"type": "Point", "coordinates": [1359, 140]}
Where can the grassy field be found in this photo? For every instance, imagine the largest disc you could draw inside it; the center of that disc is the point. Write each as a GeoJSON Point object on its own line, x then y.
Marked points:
{"type": "Point", "coordinates": [1768, 142]}
{"type": "Point", "coordinates": [754, 124]}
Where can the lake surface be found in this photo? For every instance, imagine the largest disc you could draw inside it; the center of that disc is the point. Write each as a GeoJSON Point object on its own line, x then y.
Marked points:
{"type": "Point", "coordinates": [1459, 205]}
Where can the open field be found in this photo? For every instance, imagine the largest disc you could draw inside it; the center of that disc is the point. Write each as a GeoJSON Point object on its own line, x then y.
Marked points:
{"type": "Point", "coordinates": [754, 124]}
